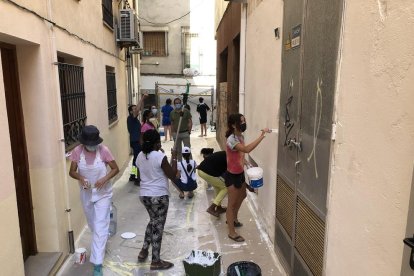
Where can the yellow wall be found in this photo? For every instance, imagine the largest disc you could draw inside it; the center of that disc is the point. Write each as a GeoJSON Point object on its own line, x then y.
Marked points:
{"type": "Point", "coordinates": [11, 258]}
{"type": "Point", "coordinates": [373, 153]}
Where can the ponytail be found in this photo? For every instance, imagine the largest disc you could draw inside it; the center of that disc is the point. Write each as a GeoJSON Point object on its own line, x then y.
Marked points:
{"type": "Point", "coordinates": [150, 138]}
{"type": "Point", "coordinates": [234, 119]}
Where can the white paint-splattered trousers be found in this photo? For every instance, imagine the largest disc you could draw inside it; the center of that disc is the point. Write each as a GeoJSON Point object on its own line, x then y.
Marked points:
{"type": "Point", "coordinates": [97, 216]}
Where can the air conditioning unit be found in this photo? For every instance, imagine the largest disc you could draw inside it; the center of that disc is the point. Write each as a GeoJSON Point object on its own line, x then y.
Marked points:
{"type": "Point", "coordinates": [140, 47]}
{"type": "Point", "coordinates": [128, 34]}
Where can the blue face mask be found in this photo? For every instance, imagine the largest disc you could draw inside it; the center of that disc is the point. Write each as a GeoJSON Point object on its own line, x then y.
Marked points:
{"type": "Point", "coordinates": [177, 106]}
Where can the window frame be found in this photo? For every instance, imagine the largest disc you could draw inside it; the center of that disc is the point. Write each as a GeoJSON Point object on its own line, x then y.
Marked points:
{"type": "Point", "coordinates": [111, 95]}
{"type": "Point", "coordinates": [146, 53]}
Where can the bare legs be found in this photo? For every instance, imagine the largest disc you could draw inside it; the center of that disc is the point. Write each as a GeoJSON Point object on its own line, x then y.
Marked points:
{"type": "Point", "coordinates": [235, 200]}
{"type": "Point", "coordinates": [203, 127]}
{"type": "Point", "coordinates": [167, 129]}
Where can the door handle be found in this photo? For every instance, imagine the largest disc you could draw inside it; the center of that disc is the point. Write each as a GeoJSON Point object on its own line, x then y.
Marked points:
{"type": "Point", "coordinates": [292, 142]}
{"type": "Point", "coordinates": [410, 243]}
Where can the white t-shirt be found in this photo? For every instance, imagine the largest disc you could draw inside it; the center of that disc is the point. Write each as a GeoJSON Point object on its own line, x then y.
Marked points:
{"type": "Point", "coordinates": [153, 180]}
{"type": "Point", "coordinates": [182, 173]}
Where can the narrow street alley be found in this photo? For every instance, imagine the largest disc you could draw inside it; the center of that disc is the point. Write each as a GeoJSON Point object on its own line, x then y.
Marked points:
{"type": "Point", "coordinates": [188, 227]}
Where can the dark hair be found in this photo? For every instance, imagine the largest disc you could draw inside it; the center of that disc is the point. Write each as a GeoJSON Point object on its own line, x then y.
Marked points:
{"type": "Point", "coordinates": [206, 151]}
{"type": "Point", "coordinates": [177, 99]}
{"type": "Point", "coordinates": [200, 99]}
{"type": "Point", "coordinates": [234, 119]}
{"type": "Point", "coordinates": [168, 101]}
{"type": "Point", "coordinates": [150, 138]}
{"type": "Point", "coordinates": [130, 108]}
{"type": "Point", "coordinates": [188, 107]}
{"type": "Point", "coordinates": [145, 115]}
{"type": "Point", "coordinates": [187, 160]}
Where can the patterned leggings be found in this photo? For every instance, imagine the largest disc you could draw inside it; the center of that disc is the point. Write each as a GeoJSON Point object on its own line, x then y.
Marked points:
{"type": "Point", "coordinates": [157, 208]}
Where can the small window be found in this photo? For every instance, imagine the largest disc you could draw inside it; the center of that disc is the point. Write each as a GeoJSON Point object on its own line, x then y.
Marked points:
{"type": "Point", "coordinates": [155, 44]}
{"type": "Point", "coordinates": [108, 17]}
{"type": "Point", "coordinates": [72, 97]}
{"type": "Point", "coordinates": [190, 49]}
{"type": "Point", "coordinates": [111, 95]}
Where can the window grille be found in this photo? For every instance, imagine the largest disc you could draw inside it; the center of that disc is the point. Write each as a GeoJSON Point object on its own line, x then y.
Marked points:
{"type": "Point", "coordinates": [108, 17]}
{"type": "Point", "coordinates": [187, 39]}
{"type": "Point", "coordinates": [72, 97]}
{"type": "Point", "coordinates": [111, 95]}
{"type": "Point", "coordinates": [155, 44]}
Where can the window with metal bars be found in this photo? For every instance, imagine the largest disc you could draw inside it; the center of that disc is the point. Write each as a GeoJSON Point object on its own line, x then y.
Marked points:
{"type": "Point", "coordinates": [155, 44]}
{"type": "Point", "coordinates": [107, 14]}
{"type": "Point", "coordinates": [111, 96]}
{"type": "Point", "coordinates": [188, 43]}
{"type": "Point", "coordinates": [72, 97]}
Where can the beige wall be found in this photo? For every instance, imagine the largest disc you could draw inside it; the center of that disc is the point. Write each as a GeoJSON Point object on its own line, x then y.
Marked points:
{"type": "Point", "coordinates": [160, 11]}
{"type": "Point", "coordinates": [263, 73]}
{"type": "Point", "coordinates": [11, 258]}
{"type": "Point", "coordinates": [372, 164]}
{"type": "Point", "coordinates": [37, 44]}
{"type": "Point", "coordinates": [220, 8]}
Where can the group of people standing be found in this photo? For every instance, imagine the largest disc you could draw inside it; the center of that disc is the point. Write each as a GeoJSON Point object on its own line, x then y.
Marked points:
{"type": "Point", "coordinates": [224, 170]}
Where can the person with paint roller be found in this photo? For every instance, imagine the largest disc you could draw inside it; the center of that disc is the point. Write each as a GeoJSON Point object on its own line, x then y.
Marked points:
{"type": "Point", "coordinates": [89, 166]}
{"type": "Point", "coordinates": [234, 176]}
{"type": "Point", "coordinates": [181, 124]}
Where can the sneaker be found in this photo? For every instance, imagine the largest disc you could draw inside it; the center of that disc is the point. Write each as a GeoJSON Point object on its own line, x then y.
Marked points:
{"type": "Point", "coordinates": [212, 210]}
{"type": "Point", "coordinates": [161, 265]}
{"type": "Point", "coordinates": [97, 270]}
{"type": "Point", "coordinates": [221, 210]}
{"type": "Point", "coordinates": [132, 177]}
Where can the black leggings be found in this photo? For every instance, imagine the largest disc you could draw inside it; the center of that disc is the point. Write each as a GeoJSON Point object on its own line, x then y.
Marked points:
{"type": "Point", "coordinates": [157, 208]}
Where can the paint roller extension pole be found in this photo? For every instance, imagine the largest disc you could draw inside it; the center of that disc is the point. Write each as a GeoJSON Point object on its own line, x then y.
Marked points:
{"type": "Point", "coordinates": [185, 98]}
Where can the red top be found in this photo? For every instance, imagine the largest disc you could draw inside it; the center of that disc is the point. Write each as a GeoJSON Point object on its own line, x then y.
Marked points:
{"type": "Point", "coordinates": [235, 158]}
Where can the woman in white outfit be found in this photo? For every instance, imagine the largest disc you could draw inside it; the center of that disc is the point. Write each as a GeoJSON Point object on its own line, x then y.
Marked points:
{"type": "Point", "coordinates": [89, 167]}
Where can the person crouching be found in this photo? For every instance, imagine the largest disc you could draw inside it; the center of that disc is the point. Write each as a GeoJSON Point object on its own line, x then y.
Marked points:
{"type": "Point", "coordinates": [186, 176]}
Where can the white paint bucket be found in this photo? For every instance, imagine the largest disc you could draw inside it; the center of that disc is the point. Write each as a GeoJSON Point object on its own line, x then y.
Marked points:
{"type": "Point", "coordinates": [255, 176]}
{"type": "Point", "coordinates": [80, 255]}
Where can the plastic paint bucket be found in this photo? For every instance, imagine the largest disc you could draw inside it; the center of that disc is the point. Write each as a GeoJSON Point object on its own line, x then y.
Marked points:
{"type": "Point", "coordinates": [80, 255]}
{"type": "Point", "coordinates": [255, 176]}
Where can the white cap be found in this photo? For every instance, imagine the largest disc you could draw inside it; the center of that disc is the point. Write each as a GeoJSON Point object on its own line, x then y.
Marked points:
{"type": "Point", "coordinates": [186, 150]}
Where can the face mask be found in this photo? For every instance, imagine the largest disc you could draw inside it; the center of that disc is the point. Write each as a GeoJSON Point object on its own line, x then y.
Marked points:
{"type": "Point", "coordinates": [177, 106]}
{"type": "Point", "coordinates": [243, 127]}
{"type": "Point", "coordinates": [154, 111]}
{"type": "Point", "coordinates": [91, 148]}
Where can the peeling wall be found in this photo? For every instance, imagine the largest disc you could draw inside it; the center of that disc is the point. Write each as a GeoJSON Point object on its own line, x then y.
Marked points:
{"type": "Point", "coordinates": [373, 152]}
{"type": "Point", "coordinates": [263, 72]}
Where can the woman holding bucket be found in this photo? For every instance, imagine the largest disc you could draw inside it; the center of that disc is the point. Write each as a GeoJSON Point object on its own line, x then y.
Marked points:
{"type": "Point", "coordinates": [89, 167]}
{"type": "Point", "coordinates": [234, 176]}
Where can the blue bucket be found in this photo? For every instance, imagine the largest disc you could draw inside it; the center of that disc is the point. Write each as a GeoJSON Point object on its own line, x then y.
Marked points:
{"type": "Point", "coordinates": [255, 176]}
{"type": "Point", "coordinates": [161, 131]}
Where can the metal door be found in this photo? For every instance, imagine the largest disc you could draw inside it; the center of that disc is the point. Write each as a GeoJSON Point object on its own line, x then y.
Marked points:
{"type": "Point", "coordinates": [311, 34]}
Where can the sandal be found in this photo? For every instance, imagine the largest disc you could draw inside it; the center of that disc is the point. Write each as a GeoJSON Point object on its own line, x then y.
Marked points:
{"type": "Point", "coordinates": [142, 256]}
{"type": "Point", "coordinates": [190, 195]}
{"type": "Point", "coordinates": [221, 210]}
{"type": "Point", "coordinates": [161, 265]}
{"type": "Point", "coordinates": [237, 238]}
{"type": "Point", "coordinates": [237, 224]}
{"type": "Point", "coordinates": [181, 195]}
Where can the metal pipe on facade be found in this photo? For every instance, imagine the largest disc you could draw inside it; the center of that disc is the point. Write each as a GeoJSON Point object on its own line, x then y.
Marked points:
{"type": "Point", "coordinates": [128, 67]}
{"type": "Point", "coordinates": [242, 74]}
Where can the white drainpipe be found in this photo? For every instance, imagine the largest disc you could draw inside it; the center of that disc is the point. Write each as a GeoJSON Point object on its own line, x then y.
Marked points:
{"type": "Point", "coordinates": [242, 68]}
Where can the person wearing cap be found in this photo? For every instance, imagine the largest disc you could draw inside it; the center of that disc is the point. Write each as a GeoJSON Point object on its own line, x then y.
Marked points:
{"type": "Point", "coordinates": [182, 135]}
{"type": "Point", "coordinates": [186, 177]}
{"type": "Point", "coordinates": [202, 109]}
{"type": "Point", "coordinates": [89, 166]}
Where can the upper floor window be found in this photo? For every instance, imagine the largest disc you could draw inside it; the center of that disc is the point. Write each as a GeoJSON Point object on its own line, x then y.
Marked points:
{"type": "Point", "coordinates": [155, 44]}
{"type": "Point", "coordinates": [111, 95]}
{"type": "Point", "coordinates": [190, 49]}
{"type": "Point", "coordinates": [72, 97]}
{"type": "Point", "coordinates": [108, 17]}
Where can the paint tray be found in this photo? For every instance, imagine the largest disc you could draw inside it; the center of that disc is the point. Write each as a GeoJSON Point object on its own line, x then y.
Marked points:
{"type": "Point", "coordinates": [202, 263]}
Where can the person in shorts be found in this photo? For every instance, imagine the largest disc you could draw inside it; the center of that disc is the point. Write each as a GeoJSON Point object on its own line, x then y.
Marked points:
{"type": "Point", "coordinates": [202, 109]}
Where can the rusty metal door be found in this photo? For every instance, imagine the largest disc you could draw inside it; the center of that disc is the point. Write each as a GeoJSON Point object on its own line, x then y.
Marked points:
{"type": "Point", "coordinates": [311, 35]}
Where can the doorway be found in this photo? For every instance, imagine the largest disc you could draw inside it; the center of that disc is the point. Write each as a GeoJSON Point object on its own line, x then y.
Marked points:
{"type": "Point", "coordinates": [19, 149]}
